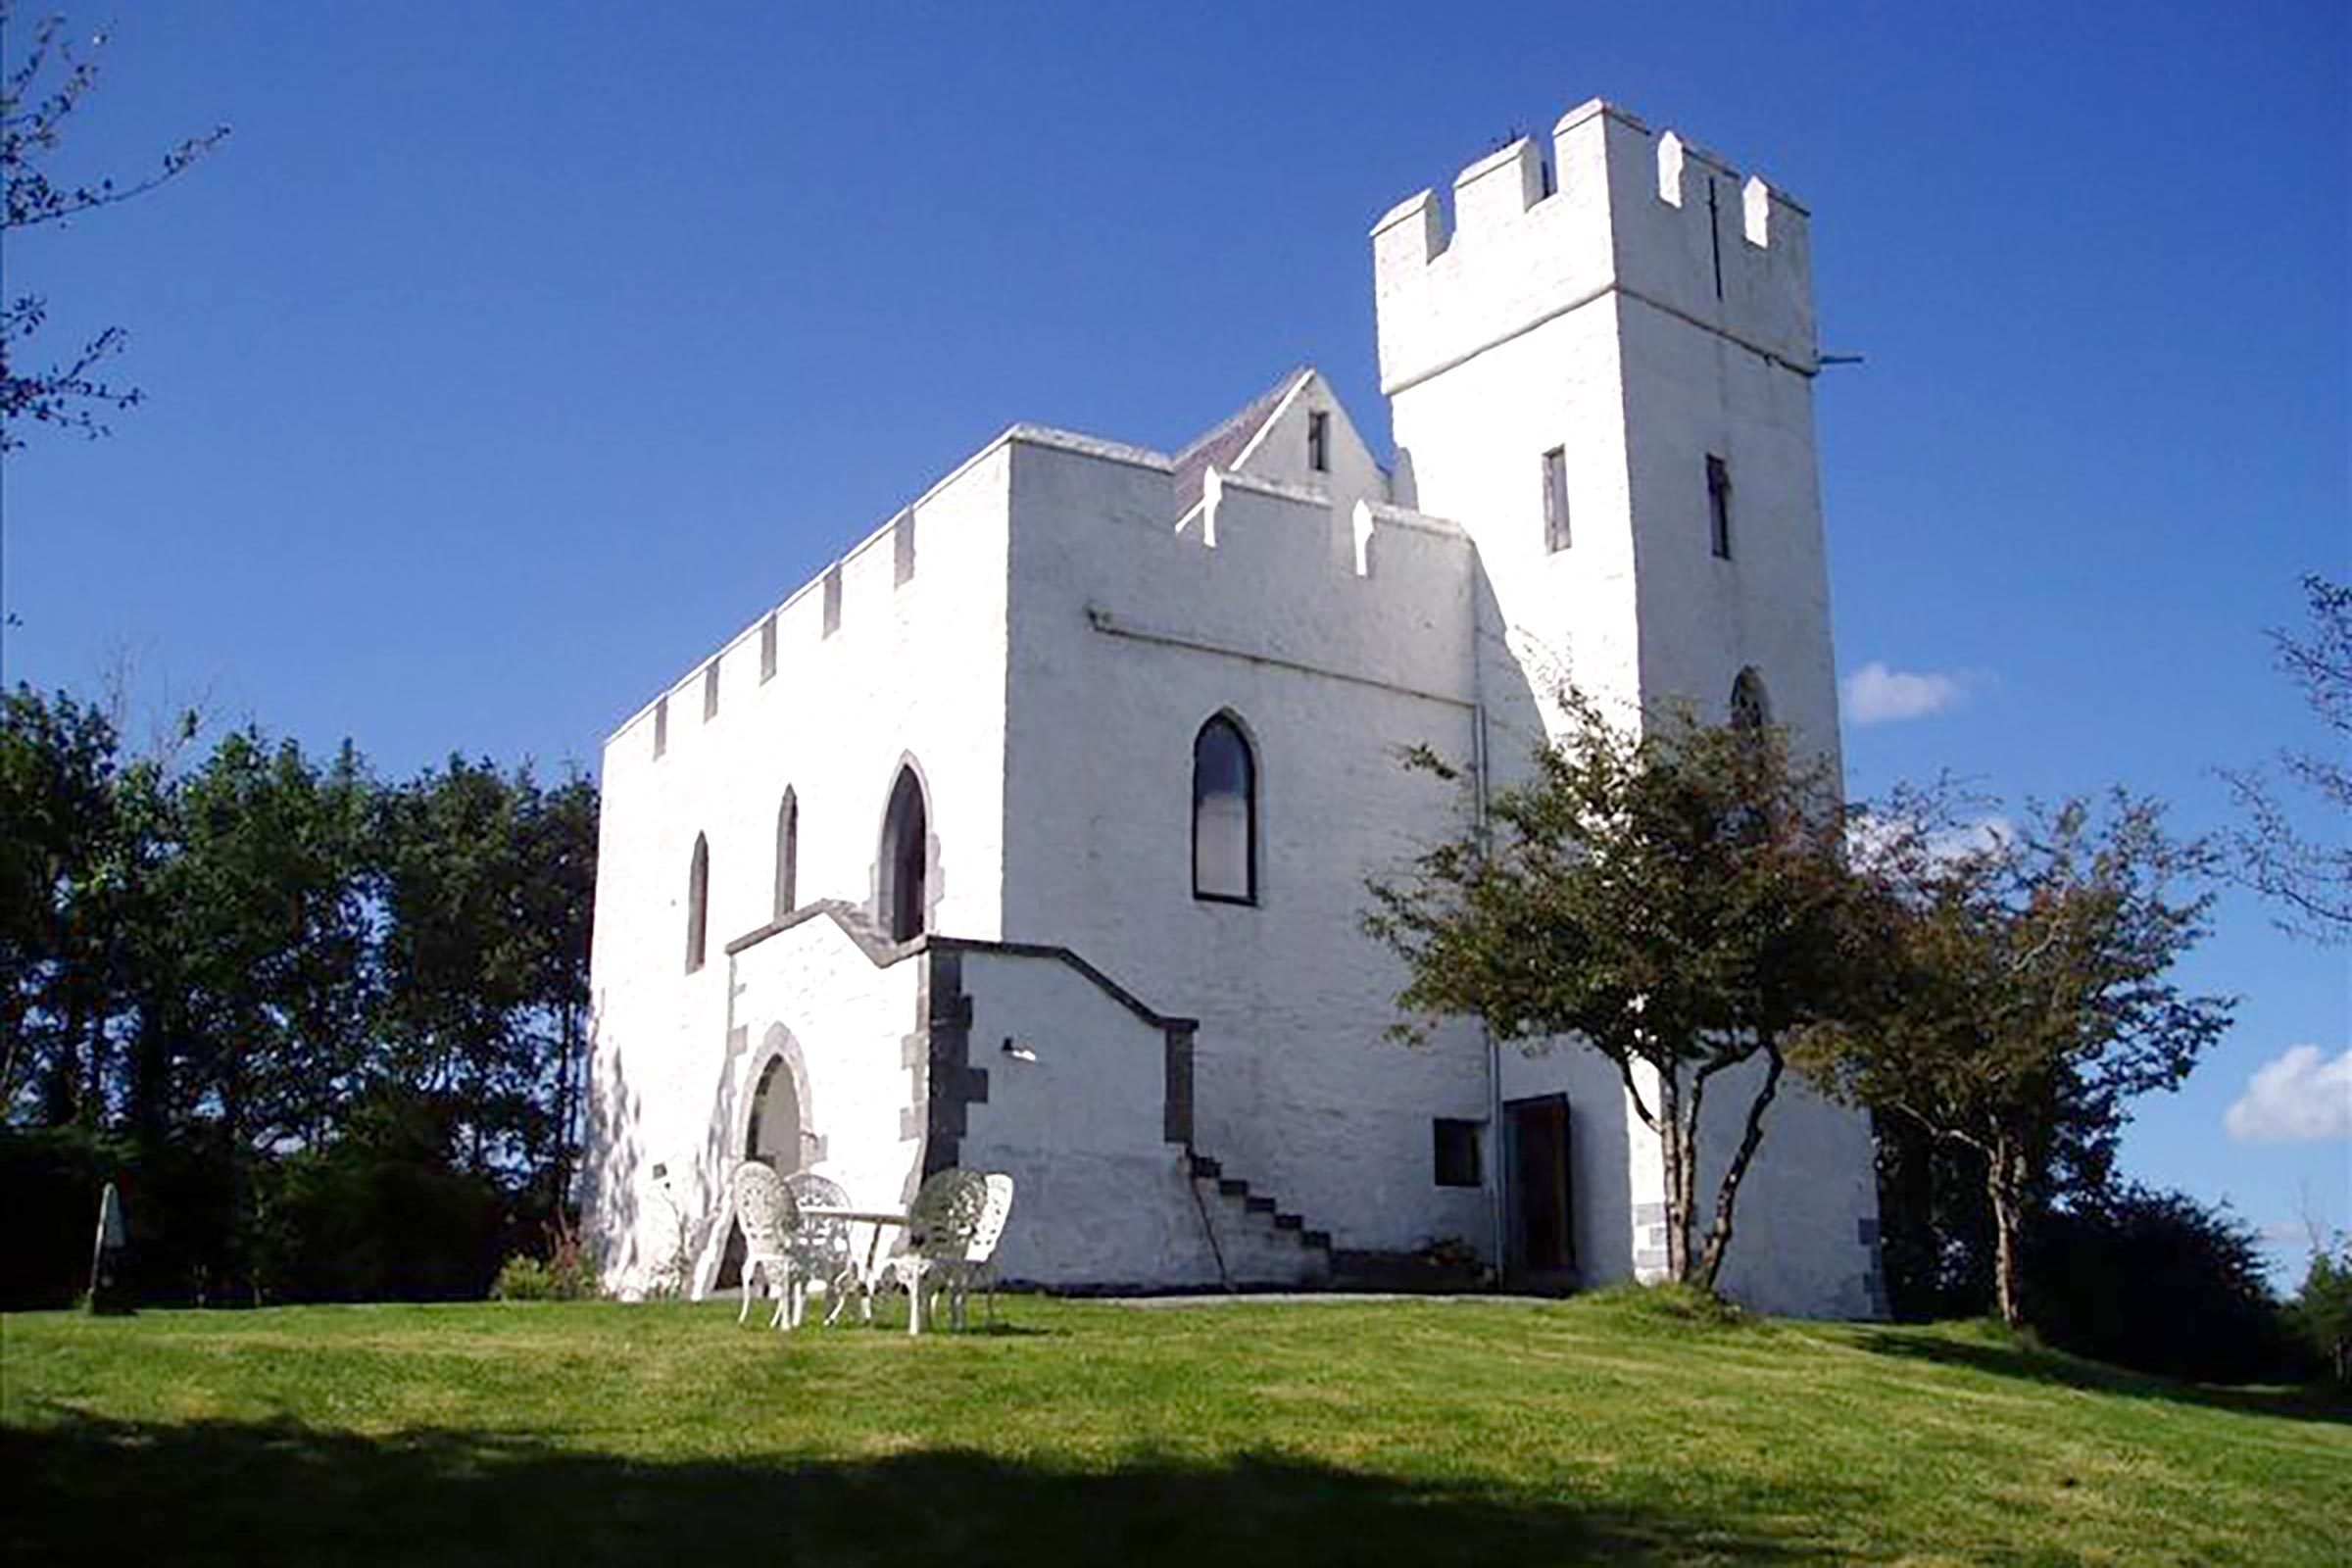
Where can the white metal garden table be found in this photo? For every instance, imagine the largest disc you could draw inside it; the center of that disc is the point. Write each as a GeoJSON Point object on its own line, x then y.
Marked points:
{"type": "Point", "coordinates": [877, 1220]}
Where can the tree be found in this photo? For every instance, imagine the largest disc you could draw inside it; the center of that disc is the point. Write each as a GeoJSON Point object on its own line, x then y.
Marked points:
{"type": "Point", "coordinates": [2024, 999]}
{"type": "Point", "coordinates": [488, 882]}
{"type": "Point", "coordinates": [2312, 880]}
{"type": "Point", "coordinates": [2322, 1309]}
{"type": "Point", "coordinates": [1676, 899]}
{"type": "Point", "coordinates": [57, 772]}
{"type": "Point", "coordinates": [39, 93]}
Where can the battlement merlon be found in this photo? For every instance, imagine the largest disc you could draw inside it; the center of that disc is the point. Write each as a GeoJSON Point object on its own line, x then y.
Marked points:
{"type": "Point", "coordinates": [1651, 217]}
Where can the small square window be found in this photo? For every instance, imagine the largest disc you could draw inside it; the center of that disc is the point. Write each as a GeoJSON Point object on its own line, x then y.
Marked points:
{"type": "Point", "coordinates": [1555, 500]}
{"type": "Point", "coordinates": [1457, 1146]}
{"type": "Point", "coordinates": [1318, 441]}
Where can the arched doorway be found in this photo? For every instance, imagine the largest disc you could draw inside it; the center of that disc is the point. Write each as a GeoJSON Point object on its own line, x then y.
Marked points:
{"type": "Point", "coordinates": [771, 1133]}
{"type": "Point", "coordinates": [904, 882]}
{"type": "Point", "coordinates": [774, 1130]}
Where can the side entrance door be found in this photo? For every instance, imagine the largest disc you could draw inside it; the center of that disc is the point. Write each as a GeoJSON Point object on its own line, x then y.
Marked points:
{"type": "Point", "coordinates": [1542, 1229]}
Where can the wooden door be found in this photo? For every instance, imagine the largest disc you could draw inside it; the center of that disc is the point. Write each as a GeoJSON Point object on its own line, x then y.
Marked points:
{"type": "Point", "coordinates": [1542, 1218]}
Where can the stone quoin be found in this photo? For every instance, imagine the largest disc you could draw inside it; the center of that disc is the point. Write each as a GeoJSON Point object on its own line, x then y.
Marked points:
{"type": "Point", "coordinates": [1032, 835]}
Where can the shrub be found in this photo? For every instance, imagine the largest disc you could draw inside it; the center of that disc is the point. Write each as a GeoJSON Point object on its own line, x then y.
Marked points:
{"type": "Point", "coordinates": [380, 1214]}
{"type": "Point", "coordinates": [2157, 1282]}
{"type": "Point", "coordinates": [567, 1274]}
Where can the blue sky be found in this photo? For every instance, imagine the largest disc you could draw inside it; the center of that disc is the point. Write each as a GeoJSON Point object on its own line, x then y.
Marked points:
{"type": "Point", "coordinates": [509, 356]}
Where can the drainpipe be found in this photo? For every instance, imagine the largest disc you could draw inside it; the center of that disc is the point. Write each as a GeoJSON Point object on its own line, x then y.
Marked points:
{"type": "Point", "coordinates": [1496, 1192]}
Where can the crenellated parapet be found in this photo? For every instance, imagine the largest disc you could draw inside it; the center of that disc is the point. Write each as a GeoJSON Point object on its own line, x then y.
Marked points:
{"type": "Point", "coordinates": [1611, 208]}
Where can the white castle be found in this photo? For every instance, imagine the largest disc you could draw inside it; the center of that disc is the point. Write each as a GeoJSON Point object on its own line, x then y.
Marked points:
{"type": "Point", "coordinates": [1033, 835]}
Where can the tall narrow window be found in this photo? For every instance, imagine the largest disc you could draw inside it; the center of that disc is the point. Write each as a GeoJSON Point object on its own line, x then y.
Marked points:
{"type": "Point", "coordinates": [788, 854]}
{"type": "Point", "coordinates": [1555, 500]}
{"type": "Point", "coordinates": [1224, 814]}
{"type": "Point", "coordinates": [1719, 508]}
{"type": "Point", "coordinates": [905, 859]}
{"type": "Point", "coordinates": [832, 593]}
{"type": "Point", "coordinates": [697, 903]}
{"type": "Point", "coordinates": [902, 548]}
{"type": "Point", "coordinates": [710, 690]}
{"type": "Point", "coordinates": [768, 647]}
{"type": "Point", "coordinates": [661, 725]}
{"type": "Point", "coordinates": [1318, 441]}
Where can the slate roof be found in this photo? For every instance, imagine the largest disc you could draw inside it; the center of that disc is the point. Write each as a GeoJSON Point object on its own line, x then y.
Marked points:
{"type": "Point", "coordinates": [1222, 444]}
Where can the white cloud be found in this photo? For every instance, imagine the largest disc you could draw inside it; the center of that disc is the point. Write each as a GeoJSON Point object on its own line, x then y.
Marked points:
{"type": "Point", "coordinates": [1981, 837]}
{"type": "Point", "coordinates": [1874, 839]}
{"type": "Point", "coordinates": [1877, 694]}
{"type": "Point", "coordinates": [2301, 1097]}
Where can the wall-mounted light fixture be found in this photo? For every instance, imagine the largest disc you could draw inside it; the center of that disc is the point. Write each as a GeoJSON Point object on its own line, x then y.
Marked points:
{"type": "Point", "coordinates": [1018, 1050]}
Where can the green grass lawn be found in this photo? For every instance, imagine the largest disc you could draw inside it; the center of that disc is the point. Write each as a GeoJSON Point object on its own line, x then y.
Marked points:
{"type": "Point", "coordinates": [1432, 1432]}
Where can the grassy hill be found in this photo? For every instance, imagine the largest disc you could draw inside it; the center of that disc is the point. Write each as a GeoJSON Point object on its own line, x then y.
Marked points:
{"type": "Point", "coordinates": [1611, 1427]}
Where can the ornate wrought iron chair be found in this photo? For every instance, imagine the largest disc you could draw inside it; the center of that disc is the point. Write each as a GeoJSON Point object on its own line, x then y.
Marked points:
{"type": "Point", "coordinates": [771, 1221]}
{"type": "Point", "coordinates": [951, 1231]}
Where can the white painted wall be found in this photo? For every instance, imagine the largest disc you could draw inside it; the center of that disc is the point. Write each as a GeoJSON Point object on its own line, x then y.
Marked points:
{"type": "Point", "coordinates": [1593, 319]}
{"type": "Point", "coordinates": [1070, 625]}
{"type": "Point", "coordinates": [1075, 1116]}
{"type": "Point", "coordinates": [915, 667]}
{"type": "Point", "coordinates": [1128, 636]}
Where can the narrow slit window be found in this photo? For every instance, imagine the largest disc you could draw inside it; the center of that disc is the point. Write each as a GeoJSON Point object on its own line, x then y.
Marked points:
{"type": "Point", "coordinates": [788, 855]}
{"type": "Point", "coordinates": [1719, 508]}
{"type": "Point", "coordinates": [768, 647]}
{"type": "Point", "coordinates": [710, 690]}
{"type": "Point", "coordinates": [1224, 814]}
{"type": "Point", "coordinates": [697, 903]}
{"type": "Point", "coordinates": [1555, 500]}
{"type": "Point", "coordinates": [661, 726]}
{"type": "Point", "coordinates": [902, 548]}
{"type": "Point", "coordinates": [1318, 441]}
{"type": "Point", "coordinates": [1715, 236]}
{"type": "Point", "coordinates": [832, 601]}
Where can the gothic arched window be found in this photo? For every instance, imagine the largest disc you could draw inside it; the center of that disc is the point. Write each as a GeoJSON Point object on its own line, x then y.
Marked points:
{"type": "Point", "coordinates": [697, 903]}
{"type": "Point", "coordinates": [1751, 709]}
{"type": "Point", "coordinates": [788, 854]}
{"type": "Point", "coordinates": [905, 859]}
{"type": "Point", "coordinates": [1224, 813]}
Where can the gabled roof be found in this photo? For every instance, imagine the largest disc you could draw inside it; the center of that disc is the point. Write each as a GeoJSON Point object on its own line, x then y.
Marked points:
{"type": "Point", "coordinates": [1222, 445]}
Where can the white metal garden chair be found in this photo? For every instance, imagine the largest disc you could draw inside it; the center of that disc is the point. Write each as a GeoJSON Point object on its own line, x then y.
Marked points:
{"type": "Point", "coordinates": [951, 1233]}
{"type": "Point", "coordinates": [821, 1248]}
{"type": "Point", "coordinates": [771, 1221]}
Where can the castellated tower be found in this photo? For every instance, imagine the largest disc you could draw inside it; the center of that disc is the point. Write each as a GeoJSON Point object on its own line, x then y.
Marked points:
{"type": "Point", "coordinates": [1603, 367]}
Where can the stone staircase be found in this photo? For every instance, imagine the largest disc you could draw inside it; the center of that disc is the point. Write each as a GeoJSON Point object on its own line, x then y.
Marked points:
{"type": "Point", "coordinates": [1259, 1243]}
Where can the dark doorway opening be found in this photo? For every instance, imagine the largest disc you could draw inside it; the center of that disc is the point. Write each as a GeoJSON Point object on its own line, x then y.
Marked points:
{"type": "Point", "coordinates": [1542, 1229]}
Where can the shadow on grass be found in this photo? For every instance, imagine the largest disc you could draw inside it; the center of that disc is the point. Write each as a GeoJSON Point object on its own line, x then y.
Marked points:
{"type": "Point", "coordinates": [2067, 1371]}
{"type": "Point", "coordinates": [234, 1493]}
